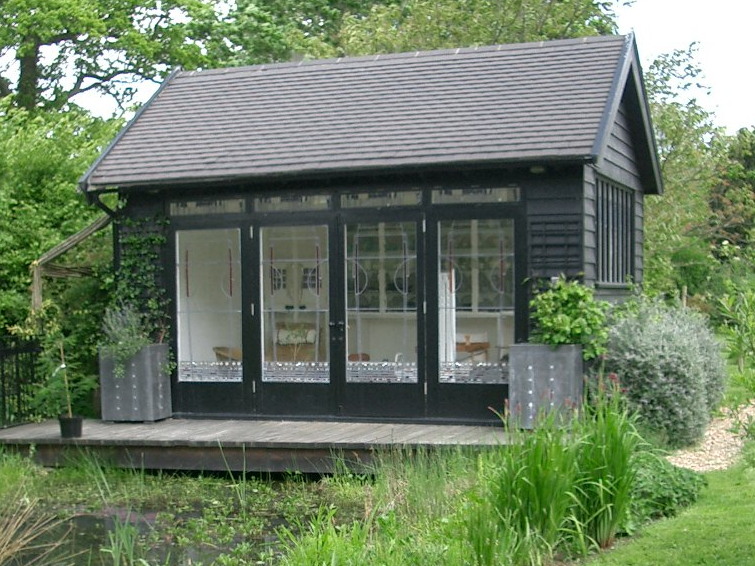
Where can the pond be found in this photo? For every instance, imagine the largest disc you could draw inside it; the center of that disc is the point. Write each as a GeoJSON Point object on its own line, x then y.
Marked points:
{"type": "Point", "coordinates": [119, 536]}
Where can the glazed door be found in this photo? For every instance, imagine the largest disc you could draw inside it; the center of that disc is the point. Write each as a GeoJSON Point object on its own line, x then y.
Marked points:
{"type": "Point", "coordinates": [209, 349]}
{"type": "Point", "coordinates": [294, 319]}
{"type": "Point", "coordinates": [383, 367]}
{"type": "Point", "coordinates": [476, 270]}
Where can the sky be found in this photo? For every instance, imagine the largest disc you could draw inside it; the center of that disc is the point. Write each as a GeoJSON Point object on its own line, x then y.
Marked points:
{"type": "Point", "coordinates": [722, 30]}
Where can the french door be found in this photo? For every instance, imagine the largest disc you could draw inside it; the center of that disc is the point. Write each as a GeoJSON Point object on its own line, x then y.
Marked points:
{"type": "Point", "coordinates": [338, 319]}
{"type": "Point", "coordinates": [299, 335]}
{"type": "Point", "coordinates": [383, 282]}
{"type": "Point", "coordinates": [209, 296]}
{"type": "Point", "coordinates": [476, 272]}
{"type": "Point", "coordinates": [348, 314]}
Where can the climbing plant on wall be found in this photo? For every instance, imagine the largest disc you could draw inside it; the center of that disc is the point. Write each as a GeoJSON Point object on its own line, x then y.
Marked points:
{"type": "Point", "coordinates": [140, 280]}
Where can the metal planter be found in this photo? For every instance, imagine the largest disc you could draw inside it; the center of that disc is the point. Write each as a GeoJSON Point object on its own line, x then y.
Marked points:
{"type": "Point", "coordinates": [543, 379]}
{"type": "Point", "coordinates": [143, 393]}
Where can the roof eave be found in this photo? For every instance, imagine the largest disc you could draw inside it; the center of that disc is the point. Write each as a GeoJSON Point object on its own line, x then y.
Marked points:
{"type": "Point", "coordinates": [156, 184]}
{"type": "Point", "coordinates": [84, 182]}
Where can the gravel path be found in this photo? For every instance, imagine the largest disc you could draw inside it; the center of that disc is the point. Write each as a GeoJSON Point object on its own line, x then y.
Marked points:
{"type": "Point", "coordinates": [719, 448]}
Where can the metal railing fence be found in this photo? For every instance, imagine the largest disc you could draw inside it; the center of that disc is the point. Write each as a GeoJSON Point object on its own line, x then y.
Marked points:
{"type": "Point", "coordinates": [19, 379]}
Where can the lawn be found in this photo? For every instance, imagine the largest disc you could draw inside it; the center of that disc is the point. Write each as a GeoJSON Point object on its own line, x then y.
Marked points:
{"type": "Point", "coordinates": [716, 531]}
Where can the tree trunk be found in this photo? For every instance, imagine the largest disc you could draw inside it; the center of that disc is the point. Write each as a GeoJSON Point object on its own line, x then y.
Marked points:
{"type": "Point", "coordinates": [28, 58]}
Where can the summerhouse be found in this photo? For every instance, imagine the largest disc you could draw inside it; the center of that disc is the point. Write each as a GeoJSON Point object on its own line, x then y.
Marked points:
{"type": "Point", "coordinates": [358, 238]}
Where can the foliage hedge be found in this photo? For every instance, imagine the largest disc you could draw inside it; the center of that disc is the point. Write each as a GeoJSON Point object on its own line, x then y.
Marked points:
{"type": "Point", "coordinates": [661, 489]}
{"type": "Point", "coordinates": [670, 365]}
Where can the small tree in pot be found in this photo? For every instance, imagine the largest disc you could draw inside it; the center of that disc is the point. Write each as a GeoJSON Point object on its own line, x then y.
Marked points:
{"type": "Point", "coordinates": [70, 424]}
{"type": "Point", "coordinates": [66, 393]}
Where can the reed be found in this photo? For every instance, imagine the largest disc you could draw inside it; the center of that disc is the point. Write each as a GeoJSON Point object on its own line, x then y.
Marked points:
{"type": "Point", "coordinates": [28, 536]}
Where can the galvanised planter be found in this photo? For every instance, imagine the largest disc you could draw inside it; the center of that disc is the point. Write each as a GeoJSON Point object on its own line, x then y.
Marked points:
{"type": "Point", "coordinates": [143, 393]}
{"type": "Point", "coordinates": [543, 379]}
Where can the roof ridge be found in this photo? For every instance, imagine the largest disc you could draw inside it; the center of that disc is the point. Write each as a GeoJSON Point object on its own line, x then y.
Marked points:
{"type": "Point", "coordinates": [407, 55]}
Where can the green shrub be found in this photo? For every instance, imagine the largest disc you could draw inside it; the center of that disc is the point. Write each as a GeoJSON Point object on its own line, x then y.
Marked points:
{"type": "Point", "coordinates": [568, 313]}
{"type": "Point", "coordinates": [713, 367]}
{"type": "Point", "coordinates": [532, 481]}
{"type": "Point", "coordinates": [740, 389]}
{"type": "Point", "coordinates": [662, 489]}
{"type": "Point", "coordinates": [563, 487]}
{"type": "Point", "coordinates": [736, 310]}
{"type": "Point", "coordinates": [670, 365]}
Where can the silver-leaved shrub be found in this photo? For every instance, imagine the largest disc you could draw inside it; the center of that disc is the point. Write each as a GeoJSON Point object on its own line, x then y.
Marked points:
{"type": "Point", "coordinates": [670, 366]}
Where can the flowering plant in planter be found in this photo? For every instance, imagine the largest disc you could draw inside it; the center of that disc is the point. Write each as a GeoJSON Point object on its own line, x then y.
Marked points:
{"type": "Point", "coordinates": [547, 373]}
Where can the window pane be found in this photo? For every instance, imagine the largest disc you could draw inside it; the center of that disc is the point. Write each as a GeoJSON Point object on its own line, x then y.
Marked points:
{"type": "Point", "coordinates": [208, 296]}
{"type": "Point", "coordinates": [294, 273]}
{"type": "Point", "coordinates": [476, 300]}
{"type": "Point", "coordinates": [207, 206]}
{"type": "Point", "coordinates": [381, 302]}
{"type": "Point", "coordinates": [377, 199]}
{"type": "Point", "coordinates": [614, 222]}
{"type": "Point", "coordinates": [475, 195]}
{"type": "Point", "coordinates": [291, 203]}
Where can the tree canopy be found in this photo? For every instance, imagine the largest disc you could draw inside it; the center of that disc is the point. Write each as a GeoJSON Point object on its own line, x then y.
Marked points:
{"type": "Point", "coordinates": [676, 223]}
{"type": "Point", "coordinates": [57, 49]}
{"type": "Point", "coordinates": [732, 200]}
{"type": "Point", "coordinates": [41, 156]}
{"type": "Point", "coordinates": [52, 51]}
{"type": "Point", "coordinates": [431, 24]}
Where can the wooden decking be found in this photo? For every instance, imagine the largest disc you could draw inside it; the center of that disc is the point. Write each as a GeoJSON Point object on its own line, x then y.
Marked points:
{"type": "Point", "coordinates": [254, 446]}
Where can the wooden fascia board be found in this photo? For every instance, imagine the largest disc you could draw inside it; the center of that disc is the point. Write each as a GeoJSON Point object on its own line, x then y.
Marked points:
{"type": "Point", "coordinates": [615, 94]}
{"type": "Point", "coordinates": [628, 84]}
{"type": "Point", "coordinates": [647, 132]}
{"type": "Point", "coordinates": [338, 172]}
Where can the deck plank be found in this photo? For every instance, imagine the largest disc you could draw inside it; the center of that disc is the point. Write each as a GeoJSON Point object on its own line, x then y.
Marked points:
{"type": "Point", "coordinates": [253, 445]}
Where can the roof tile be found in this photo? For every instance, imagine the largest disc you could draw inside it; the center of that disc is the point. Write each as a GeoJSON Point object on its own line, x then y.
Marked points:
{"type": "Point", "coordinates": [498, 103]}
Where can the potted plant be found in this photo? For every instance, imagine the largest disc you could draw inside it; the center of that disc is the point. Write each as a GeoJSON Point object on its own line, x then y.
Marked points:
{"type": "Point", "coordinates": [569, 327]}
{"type": "Point", "coordinates": [70, 425]}
{"type": "Point", "coordinates": [59, 396]}
{"type": "Point", "coordinates": [134, 368]}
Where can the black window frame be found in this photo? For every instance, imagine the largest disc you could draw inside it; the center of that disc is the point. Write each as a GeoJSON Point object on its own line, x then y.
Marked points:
{"type": "Point", "coordinates": [614, 233]}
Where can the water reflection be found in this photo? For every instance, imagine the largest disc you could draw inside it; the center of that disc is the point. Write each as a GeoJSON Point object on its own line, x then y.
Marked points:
{"type": "Point", "coordinates": [94, 539]}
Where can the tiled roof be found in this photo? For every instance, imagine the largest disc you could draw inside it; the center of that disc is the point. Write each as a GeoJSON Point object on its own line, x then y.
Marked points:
{"type": "Point", "coordinates": [509, 103]}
